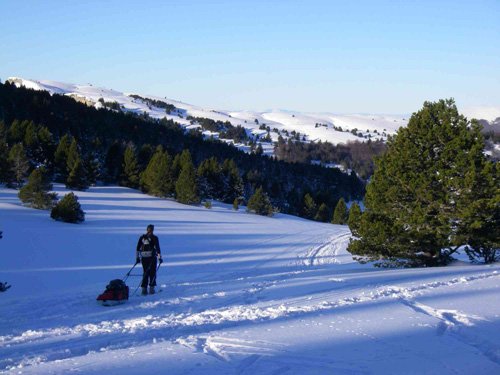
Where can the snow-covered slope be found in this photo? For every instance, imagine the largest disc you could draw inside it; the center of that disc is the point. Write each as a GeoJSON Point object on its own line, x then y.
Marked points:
{"type": "Point", "coordinates": [334, 128]}
{"type": "Point", "coordinates": [241, 294]}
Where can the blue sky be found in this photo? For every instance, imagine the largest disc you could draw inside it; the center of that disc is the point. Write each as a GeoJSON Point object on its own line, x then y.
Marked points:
{"type": "Point", "coordinates": [332, 56]}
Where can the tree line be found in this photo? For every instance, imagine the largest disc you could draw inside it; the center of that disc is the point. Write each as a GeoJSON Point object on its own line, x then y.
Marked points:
{"type": "Point", "coordinates": [356, 156]}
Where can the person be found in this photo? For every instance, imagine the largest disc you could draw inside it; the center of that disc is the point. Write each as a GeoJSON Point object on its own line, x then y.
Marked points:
{"type": "Point", "coordinates": [148, 251]}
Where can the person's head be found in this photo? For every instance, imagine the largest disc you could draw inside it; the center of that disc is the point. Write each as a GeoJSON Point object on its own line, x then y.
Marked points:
{"type": "Point", "coordinates": [150, 228]}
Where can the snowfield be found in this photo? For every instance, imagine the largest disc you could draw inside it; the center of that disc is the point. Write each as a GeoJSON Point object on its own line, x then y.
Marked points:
{"type": "Point", "coordinates": [240, 294]}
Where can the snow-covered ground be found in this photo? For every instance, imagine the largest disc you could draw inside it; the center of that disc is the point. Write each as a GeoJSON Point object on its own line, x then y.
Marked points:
{"type": "Point", "coordinates": [241, 294]}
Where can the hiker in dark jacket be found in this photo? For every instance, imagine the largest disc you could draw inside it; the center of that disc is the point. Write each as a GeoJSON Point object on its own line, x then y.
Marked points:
{"type": "Point", "coordinates": [148, 250]}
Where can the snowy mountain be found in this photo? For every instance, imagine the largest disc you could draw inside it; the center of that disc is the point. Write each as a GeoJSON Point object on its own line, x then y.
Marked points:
{"type": "Point", "coordinates": [334, 128]}
{"type": "Point", "coordinates": [241, 294]}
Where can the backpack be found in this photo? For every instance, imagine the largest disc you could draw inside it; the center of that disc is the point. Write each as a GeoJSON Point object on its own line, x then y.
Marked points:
{"type": "Point", "coordinates": [116, 285]}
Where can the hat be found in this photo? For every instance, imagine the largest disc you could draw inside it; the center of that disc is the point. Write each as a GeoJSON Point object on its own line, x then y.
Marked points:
{"type": "Point", "coordinates": [150, 226]}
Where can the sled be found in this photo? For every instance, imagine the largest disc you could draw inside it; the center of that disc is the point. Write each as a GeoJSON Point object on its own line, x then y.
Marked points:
{"type": "Point", "coordinates": [116, 293]}
{"type": "Point", "coordinates": [4, 286]}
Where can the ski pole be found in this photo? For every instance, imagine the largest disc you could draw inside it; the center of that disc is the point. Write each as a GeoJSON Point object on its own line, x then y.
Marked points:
{"type": "Point", "coordinates": [156, 273]}
{"type": "Point", "coordinates": [129, 271]}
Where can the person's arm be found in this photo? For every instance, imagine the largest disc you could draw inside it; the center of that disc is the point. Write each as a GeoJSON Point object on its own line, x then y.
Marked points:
{"type": "Point", "coordinates": [138, 250]}
{"type": "Point", "coordinates": [158, 250]}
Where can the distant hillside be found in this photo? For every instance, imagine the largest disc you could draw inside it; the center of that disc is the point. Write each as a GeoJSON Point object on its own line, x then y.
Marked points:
{"type": "Point", "coordinates": [346, 141]}
{"type": "Point", "coordinates": [103, 135]}
{"type": "Point", "coordinates": [325, 127]}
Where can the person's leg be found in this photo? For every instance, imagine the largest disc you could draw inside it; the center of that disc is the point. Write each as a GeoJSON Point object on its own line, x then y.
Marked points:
{"type": "Point", "coordinates": [145, 275]}
{"type": "Point", "coordinates": [152, 276]}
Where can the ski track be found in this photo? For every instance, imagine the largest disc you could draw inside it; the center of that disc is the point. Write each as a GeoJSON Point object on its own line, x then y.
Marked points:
{"type": "Point", "coordinates": [326, 252]}
{"type": "Point", "coordinates": [70, 341]}
{"type": "Point", "coordinates": [456, 323]}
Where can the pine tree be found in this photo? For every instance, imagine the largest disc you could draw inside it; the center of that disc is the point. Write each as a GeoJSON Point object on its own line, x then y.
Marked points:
{"type": "Point", "coordinates": [354, 218]}
{"type": "Point", "coordinates": [176, 167]}
{"type": "Point", "coordinates": [130, 176]}
{"type": "Point", "coordinates": [310, 208]}
{"type": "Point", "coordinates": [185, 158]}
{"type": "Point", "coordinates": [186, 188]}
{"type": "Point", "coordinates": [157, 179]}
{"type": "Point", "coordinates": [259, 203]}
{"type": "Point", "coordinates": [478, 207]}
{"type": "Point", "coordinates": [323, 213]}
{"type": "Point", "coordinates": [417, 198]}
{"type": "Point", "coordinates": [340, 213]}
{"type": "Point", "coordinates": [232, 182]}
{"type": "Point", "coordinates": [68, 209]}
{"type": "Point", "coordinates": [145, 154]}
{"type": "Point", "coordinates": [259, 150]}
{"type": "Point", "coordinates": [61, 157]}
{"type": "Point", "coordinates": [36, 192]}
{"type": "Point", "coordinates": [236, 204]}
{"type": "Point", "coordinates": [17, 131]}
{"type": "Point", "coordinates": [19, 164]}
{"type": "Point", "coordinates": [45, 153]}
{"type": "Point", "coordinates": [92, 166]}
{"type": "Point", "coordinates": [77, 178]}
{"type": "Point", "coordinates": [73, 155]}
{"type": "Point", "coordinates": [113, 162]}
{"type": "Point", "coordinates": [31, 141]}
{"type": "Point", "coordinates": [6, 173]}
{"type": "Point", "coordinates": [210, 179]}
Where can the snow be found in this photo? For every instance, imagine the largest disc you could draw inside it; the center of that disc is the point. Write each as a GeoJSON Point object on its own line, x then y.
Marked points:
{"type": "Point", "coordinates": [240, 294]}
{"type": "Point", "coordinates": [489, 113]}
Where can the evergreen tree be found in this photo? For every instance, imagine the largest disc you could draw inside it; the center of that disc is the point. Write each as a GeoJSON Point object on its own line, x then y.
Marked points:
{"type": "Point", "coordinates": [259, 150]}
{"type": "Point", "coordinates": [17, 131]}
{"type": "Point", "coordinates": [36, 192]}
{"type": "Point", "coordinates": [310, 208]}
{"type": "Point", "coordinates": [130, 176]}
{"type": "Point", "coordinates": [31, 141]}
{"type": "Point", "coordinates": [92, 166]}
{"type": "Point", "coordinates": [236, 204]}
{"type": "Point", "coordinates": [210, 179]}
{"type": "Point", "coordinates": [186, 188]}
{"type": "Point", "coordinates": [61, 157]}
{"type": "Point", "coordinates": [73, 155]}
{"type": "Point", "coordinates": [354, 218]}
{"type": "Point", "coordinates": [19, 165]}
{"type": "Point", "coordinates": [5, 168]}
{"type": "Point", "coordinates": [417, 198]}
{"type": "Point", "coordinates": [232, 182]}
{"type": "Point", "coordinates": [145, 154]}
{"type": "Point", "coordinates": [340, 214]}
{"type": "Point", "coordinates": [260, 204]}
{"type": "Point", "coordinates": [323, 213]}
{"type": "Point", "coordinates": [478, 207]}
{"type": "Point", "coordinates": [46, 147]}
{"type": "Point", "coordinates": [176, 167]}
{"type": "Point", "coordinates": [68, 209]}
{"type": "Point", "coordinates": [157, 179]}
{"type": "Point", "coordinates": [3, 131]}
{"type": "Point", "coordinates": [113, 162]}
{"type": "Point", "coordinates": [185, 158]}
{"type": "Point", "coordinates": [77, 178]}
